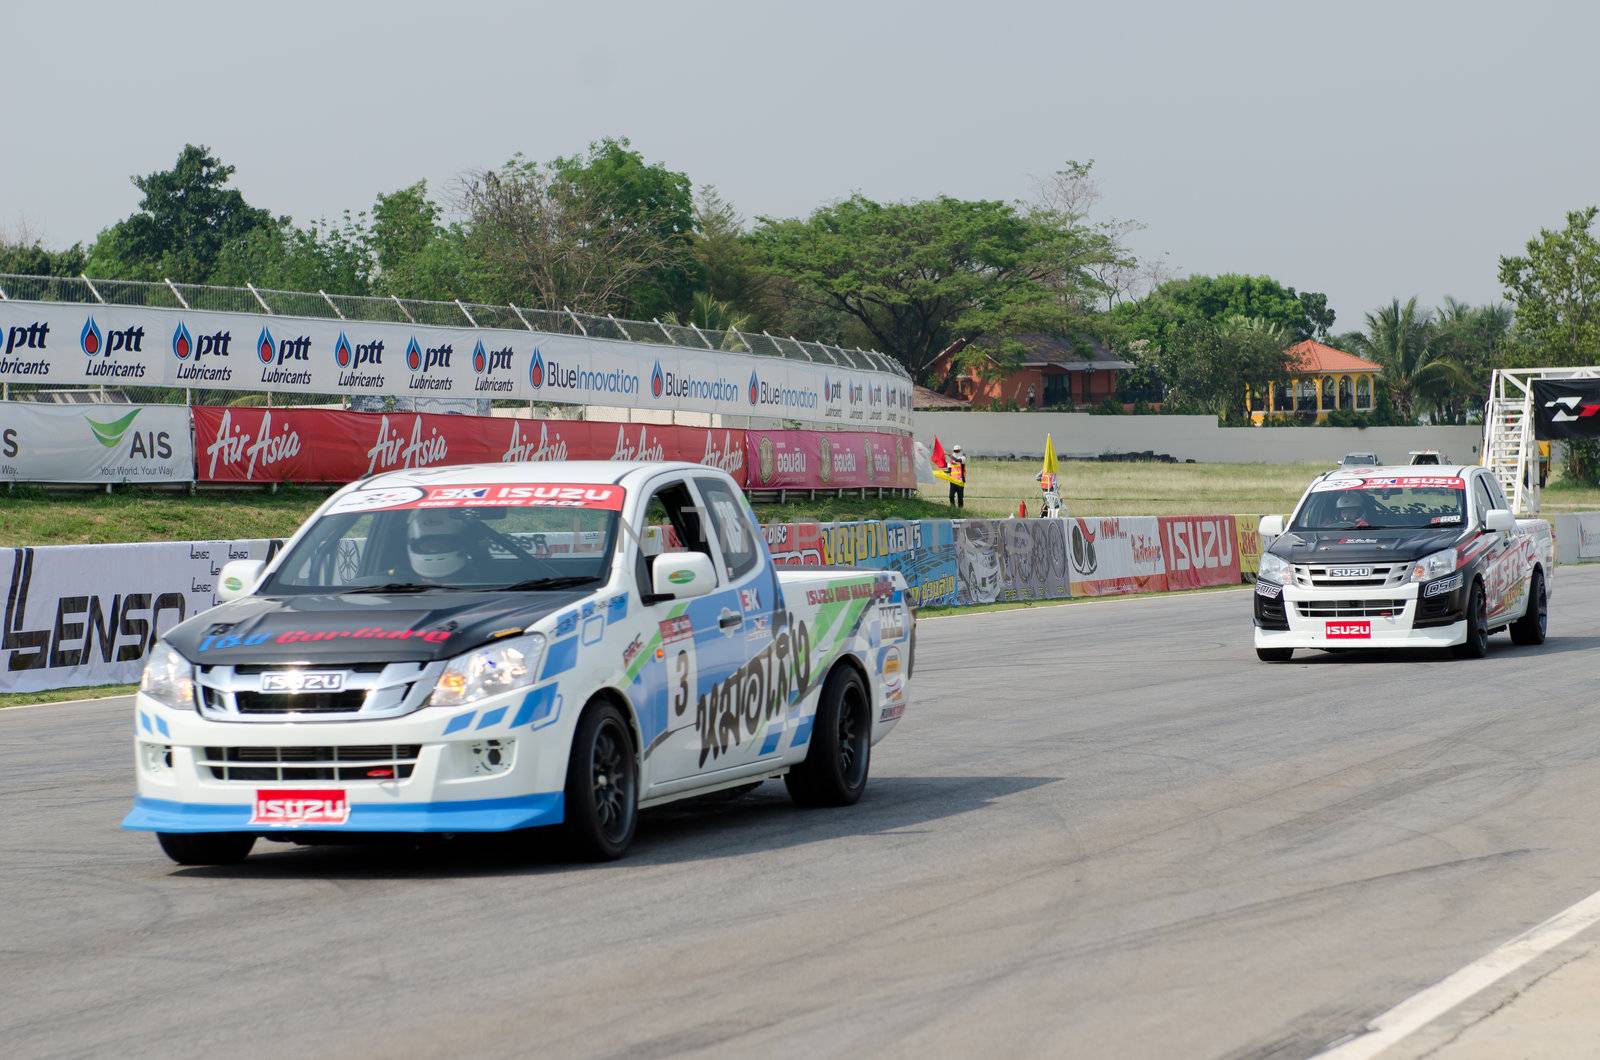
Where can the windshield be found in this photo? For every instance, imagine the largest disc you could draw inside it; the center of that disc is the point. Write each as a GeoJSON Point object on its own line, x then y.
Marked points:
{"type": "Point", "coordinates": [1383, 504]}
{"type": "Point", "coordinates": [478, 536]}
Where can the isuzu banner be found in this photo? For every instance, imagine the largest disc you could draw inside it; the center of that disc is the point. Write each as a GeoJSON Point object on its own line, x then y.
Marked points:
{"type": "Point", "coordinates": [94, 443]}
{"type": "Point", "coordinates": [828, 460]}
{"type": "Point", "coordinates": [79, 615]}
{"type": "Point", "coordinates": [1200, 550]}
{"type": "Point", "coordinates": [1566, 408]}
{"type": "Point", "coordinates": [56, 343]}
{"type": "Point", "coordinates": [1117, 554]}
{"type": "Point", "coordinates": [330, 445]}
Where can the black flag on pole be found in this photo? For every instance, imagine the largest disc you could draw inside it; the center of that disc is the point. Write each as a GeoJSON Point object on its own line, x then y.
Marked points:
{"type": "Point", "coordinates": [1566, 408]}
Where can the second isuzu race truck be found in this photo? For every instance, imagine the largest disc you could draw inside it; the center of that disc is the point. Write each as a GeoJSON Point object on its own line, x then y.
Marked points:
{"type": "Point", "coordinates": [497, 647]}
{"type": "Point", "coordinates": [1402, 557]}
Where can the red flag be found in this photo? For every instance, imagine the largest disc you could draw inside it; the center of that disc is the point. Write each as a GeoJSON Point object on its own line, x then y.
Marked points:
{"type": "Point", "coordinates": [940, 461]}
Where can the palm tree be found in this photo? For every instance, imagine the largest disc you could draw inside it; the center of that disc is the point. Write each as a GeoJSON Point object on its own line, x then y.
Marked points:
{"type": "Point", "coordinates": [709, 314]}
{"type": "Point", "coordinates": [1416, 372]}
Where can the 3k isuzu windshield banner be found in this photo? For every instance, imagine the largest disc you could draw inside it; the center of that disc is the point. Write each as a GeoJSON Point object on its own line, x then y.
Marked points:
{"type": "Point", "coordinates": [1566, 408]}
{"type": "Point", "coordinates": [66, 343]}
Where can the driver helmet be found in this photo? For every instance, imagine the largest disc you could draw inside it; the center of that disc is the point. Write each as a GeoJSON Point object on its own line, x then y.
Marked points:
{"type": "Point", "coordinates": [1350, 507]}
{"type": "Point", "coordinates": [436, 542]}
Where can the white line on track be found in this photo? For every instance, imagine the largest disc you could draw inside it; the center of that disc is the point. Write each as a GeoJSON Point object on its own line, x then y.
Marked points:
{"type": "Point", "coordinates": [1421, 1009]}
{"type": "Point", "coordinates": [1142, 598]}
{"type": "Point", "coordinates": [66, 703]}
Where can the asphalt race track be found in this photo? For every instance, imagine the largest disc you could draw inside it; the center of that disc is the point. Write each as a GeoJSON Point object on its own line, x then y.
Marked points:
{"type": "Point", "coordinates": [1102, 830]}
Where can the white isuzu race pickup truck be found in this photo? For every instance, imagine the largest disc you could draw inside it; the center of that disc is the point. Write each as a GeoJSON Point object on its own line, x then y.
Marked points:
{"type": "Point", "coordinates": [498, 647]}
{"type": "Point", "coordinates": [1402, 557]}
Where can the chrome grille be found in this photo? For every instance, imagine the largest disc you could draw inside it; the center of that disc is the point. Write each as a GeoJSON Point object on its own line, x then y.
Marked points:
{"type": "Point", "coordinates": [300, 702]}
{"type": "Point", "coordinates": [1350, 608]}
{"type": "Point", "coordinates": [359, 762]}
{"type": "Point", "coordinates": [1379, 575]}
{"type": "Point", "coordinates": [369, 690]}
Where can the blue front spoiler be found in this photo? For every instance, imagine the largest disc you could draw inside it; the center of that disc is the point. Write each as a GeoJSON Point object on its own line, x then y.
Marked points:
{"type": "Point", "coordinates": [481, 815]}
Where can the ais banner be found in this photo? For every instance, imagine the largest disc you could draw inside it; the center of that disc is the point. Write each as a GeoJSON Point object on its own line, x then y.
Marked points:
{"type": "Point", "coordinates": [1200, 550]}
{"type": "Point", "coordinates": [55, 343]}
{"type": "Point", "coordinates": [1001, 560]}
{"type": "Point", "coordinates": [330, 445]}
{"type": "Point", "coordinates": [1566, 408]}
{"type": "Point", "coordinates": [94, 443]}
{"type": "Point", "coordinates": [1117, 554]}
{"type": "Point", "coordinates": [831, 460]}
{"type": "Point", "coordinates": [78, 615]}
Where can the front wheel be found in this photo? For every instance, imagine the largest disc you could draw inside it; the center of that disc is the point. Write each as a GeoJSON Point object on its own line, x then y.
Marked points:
{"type": "Point", "coordinates": [1530, 628]}
{"type": "Point", "coordinates": [1274, 654]}
{"type": "Point", "coordinates": [834, 772]}
{"type": "Point", "coordinates": [1477, 643]}
{"type": "Point", "coordinates": [601, 804]}
{"type": "Point", "coordinates": [206, 848]}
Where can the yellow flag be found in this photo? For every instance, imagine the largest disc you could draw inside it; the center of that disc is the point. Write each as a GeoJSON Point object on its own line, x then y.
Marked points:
{"type": "Point", "coordinates": [1047, 475]}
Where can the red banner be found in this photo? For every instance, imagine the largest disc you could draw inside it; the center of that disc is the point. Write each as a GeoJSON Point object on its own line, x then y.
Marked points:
{"type": "Point", "coordinates": [822, 460]}
{"type": "Point", "coordinates": [1200, 550]}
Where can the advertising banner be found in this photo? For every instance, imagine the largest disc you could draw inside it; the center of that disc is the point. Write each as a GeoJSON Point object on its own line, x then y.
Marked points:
{"type": "Point", "coordinates": [94, 443]}
{"type": "Point", "coordinates": [80, 615]}
{"type": "Point", "coordinates": [795, 544]}
{"type": "Point", "coordinates": [67, 343]}
{"type": "Point", "coordinates": [1200, 550]}
{"type": "Point", "coordinates": [1001, 560]}
{"type": "Point", "coordinates": [1566, 408]}
{"type": "Point", "coordinates": [1117, 554]}
{"type": "Point", "coordinates": [1250, 545]}
{"type": "Point", "coordinates": [330, 445]}
{"type": "Point", "coordinates": [924, 550]}
{"type": "Point", "coordinates": [831, 460]}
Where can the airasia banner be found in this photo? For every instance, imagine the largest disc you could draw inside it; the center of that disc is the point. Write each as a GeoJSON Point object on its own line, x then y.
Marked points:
{"type": "Point", "coordinates": [331, 445]}
{"type": "Point", "coordinates": [54, 343]}
{"type": "Point", "coordinates": [94, 443]}
{"type": "Point", "coordinates": [828, 460]}
{"type": "Point", "coordinates": [1117, 554]}
{"type": "Point", "coordinates": [1200, 550]}
{"type": "Point", "coordinates": [79, 615]}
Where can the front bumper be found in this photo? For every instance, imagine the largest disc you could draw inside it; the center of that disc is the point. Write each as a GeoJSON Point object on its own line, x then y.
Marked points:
{"type": "Point", "coordinates": [1293, 616]}
{"type": "Point", "coordinates": [447, 782]}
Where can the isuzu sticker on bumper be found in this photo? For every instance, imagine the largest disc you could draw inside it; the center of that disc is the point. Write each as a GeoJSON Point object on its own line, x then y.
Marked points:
{"type": "Point", "coordinates": [1348, 630]}
{"type": "Point", "coordinates": [292, 806]}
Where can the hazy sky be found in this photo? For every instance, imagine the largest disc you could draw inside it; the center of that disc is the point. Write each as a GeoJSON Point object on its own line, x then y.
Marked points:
{"type": "Point", "coordinates": [1363, 149]}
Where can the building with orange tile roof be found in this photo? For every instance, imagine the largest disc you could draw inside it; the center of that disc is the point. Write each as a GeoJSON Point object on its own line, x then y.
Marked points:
{"type": "Point", "coordinates": [1321, 380]}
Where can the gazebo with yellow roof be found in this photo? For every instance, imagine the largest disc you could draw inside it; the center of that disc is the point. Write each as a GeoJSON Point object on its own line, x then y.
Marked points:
{"type": "Point", "coordinates": [1321, 380]}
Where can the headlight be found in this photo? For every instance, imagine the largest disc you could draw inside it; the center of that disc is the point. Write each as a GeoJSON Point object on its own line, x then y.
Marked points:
{"type": "Point", "coordinates": [1435, 566]}
{"type": "Point", "coordinates": [168, 678]}
{"type": "Point", "coordinates": [492, 669]}
{"type": "Point", "coordinates": [1275, 568]}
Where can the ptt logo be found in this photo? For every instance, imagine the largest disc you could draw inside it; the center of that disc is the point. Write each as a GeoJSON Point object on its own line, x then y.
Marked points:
{"type": "Point", "coordinates": [755, 388]}
{"type": "Point", "coordinates": [276, 351]}
{"type": "Point", "coordinates": [487, 362]}
{"type": "Point", "coordinates": [348, 355]}
{"type": "Point", "coordinates": [857, 391]}
{"type": "Point", "coordinates": [536, 370]}
{"type": "Point", "coordinates": [420, 359]}
{"type": "Point", "coordinates": [185, 347]}
{"type": "Point", "coordinates": [658, 381]}
{"type": "Point", "coordinates": [127, 340]}
{"type": "Point", "coordinates": [832, 389]}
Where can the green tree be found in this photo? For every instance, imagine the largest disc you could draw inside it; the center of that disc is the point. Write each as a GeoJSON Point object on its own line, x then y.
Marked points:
{"type": "Point", "coordinates": [24, 255]}
{"type": "Point", "coordinates": [728, 262]}
{"type": "Point", "coordinates": [414, 253]}
{"type": "Point", "coordinates": [1210, 364]}
{"type": "Point", "coordinates": [1213, 299]}
{"type": "Point", "coordinates": [1479, 339]}
{"type": "Point", "coordinates": [185, 218]}
{"type": "Point", "coordinates": [1555, 287]}
{"type": "Point", "coordinates": [1417, 374]}
{"type": "Point", "coordinates": [320, 257]}
{"type": "Point", "coordinates": [918, 275]}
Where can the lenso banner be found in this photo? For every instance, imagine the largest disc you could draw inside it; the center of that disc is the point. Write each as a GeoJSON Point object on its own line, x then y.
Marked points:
{"type": "Point", "coordinates": [60, 343]}
{"type": "Point", "coordinates": [80, 615]}
{"type": "Point", "coordinates": [94, 443]}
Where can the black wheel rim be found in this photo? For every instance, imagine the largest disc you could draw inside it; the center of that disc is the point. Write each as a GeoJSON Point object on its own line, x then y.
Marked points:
{"type": "Point", "coordinates": [1542, 604]}
{"type": "Point", "coordinates": [853, 736]}
{"type": "Point", "coordinates": [611, 779]}
{"type": "Point", "coordinates": [1480, 634]}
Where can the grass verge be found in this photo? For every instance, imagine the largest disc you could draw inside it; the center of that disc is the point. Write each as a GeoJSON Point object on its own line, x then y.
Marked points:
{"type": "Point", "coordinates": [63, 695]}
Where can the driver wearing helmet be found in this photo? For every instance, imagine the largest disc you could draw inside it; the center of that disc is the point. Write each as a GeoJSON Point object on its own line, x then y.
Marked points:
{"type": "Point", "coordinates": [1351, 509]}
{"type": "Point", "coordinates": [436, 542]}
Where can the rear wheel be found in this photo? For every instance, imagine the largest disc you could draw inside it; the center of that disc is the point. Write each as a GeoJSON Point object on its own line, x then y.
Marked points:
{"type": "Point", "coordinates": [1477, 643]}
{"type": "Point", "coordinates": [601, 805]}
{"type": "Point", "coordinates": [1274, 654]}
{"type": "Point", "coordinates": [206, 848]}
{"type": "Point", "coordinates": [1530, 628]}
{"type": "Point", "coordinates": [834, 772]}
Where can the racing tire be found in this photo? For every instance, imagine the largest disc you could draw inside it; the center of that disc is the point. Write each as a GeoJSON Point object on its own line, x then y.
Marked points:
{"type": "Point", "coordinates": [206, 848]}
{"type": "Point", "coordinates": [835, 769]}
{"type": "Point", "coordinates": [1530, 628]}
{"type": "Point", "coordinates": [1477, 642]}
{"type": "Point", "coordinates": [601, 801]}
{"type": "Point", "coordinates": [1274, 654]}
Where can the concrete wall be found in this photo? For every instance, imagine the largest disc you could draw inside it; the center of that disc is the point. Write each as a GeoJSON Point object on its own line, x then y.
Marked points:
{"type": "Point", "coordinates": [1577, 536]}
{"type": "Point", "coordinates": [1195, 438]}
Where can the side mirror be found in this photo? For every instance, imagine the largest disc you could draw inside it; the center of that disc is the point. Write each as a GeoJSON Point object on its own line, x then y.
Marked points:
{"type": "Point", "coordinates": [1499, 520]}
{"type": "Point", "coordinates": [239, 576]}
{"type": "Point", "coordinates": [682, 575]}
{"type": "Point", "coordinates": [1271, 526]}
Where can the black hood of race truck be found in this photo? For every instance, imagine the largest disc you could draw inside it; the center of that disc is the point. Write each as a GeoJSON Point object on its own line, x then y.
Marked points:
{"type": "Point", "coordinates": [1364, 545]}
{"type": "Point", "coordinates": [359, 627]}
